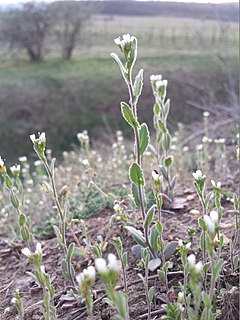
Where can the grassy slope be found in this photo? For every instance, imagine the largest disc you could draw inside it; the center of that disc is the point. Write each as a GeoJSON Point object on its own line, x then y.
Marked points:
{"type": "Point", "coordinates": [64, 97]}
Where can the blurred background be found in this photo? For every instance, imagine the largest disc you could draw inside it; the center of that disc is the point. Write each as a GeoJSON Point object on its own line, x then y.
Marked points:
{"type": "Point", "coordinates": [57, 76]}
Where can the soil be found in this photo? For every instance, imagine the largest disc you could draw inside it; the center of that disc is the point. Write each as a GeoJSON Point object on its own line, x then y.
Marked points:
{"type": "Point", "coordinates": [14, 268]}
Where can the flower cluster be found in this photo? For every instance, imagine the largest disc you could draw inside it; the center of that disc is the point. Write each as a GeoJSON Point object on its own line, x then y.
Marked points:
{"type": "Point", "coordinates": [102, 266]}
{"type": "Point", "coordinates": [86, 278]}
{"type": "Point", "coordinates": [124, 42]}
{"type": "Point", "coordinates": [40, 142]}
{"type": "Point", "coordinates": [15, 170]}
{"type": "Point", "coordinates": [211, 222]}
{"type": "Point", "coordinates": [33, 255]}
{"type": "Point", "coordinates": [198, 175]}
{"type": "Point", "coordinates": [194, 267]}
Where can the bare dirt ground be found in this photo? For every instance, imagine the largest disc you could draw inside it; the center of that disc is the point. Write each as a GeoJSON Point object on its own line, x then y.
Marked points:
{"type": "Point", "coordinates": [14, 267]}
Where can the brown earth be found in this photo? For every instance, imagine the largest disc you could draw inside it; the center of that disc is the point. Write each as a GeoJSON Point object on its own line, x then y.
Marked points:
{"type": "Point", "coordinates": [14, 267]}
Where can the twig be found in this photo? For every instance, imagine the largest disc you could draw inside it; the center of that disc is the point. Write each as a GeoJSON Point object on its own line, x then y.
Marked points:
{"type": "Point", "coordinates": [8, 286]}
{"type": "Point", "coordinates": [200, 132]}
{"type": "Point", "coordinates": [153, 313]}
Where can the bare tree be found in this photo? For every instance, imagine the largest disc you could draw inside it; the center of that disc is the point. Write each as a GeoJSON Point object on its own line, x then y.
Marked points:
{"type": "Point", "coordinates": [27, 28]}
{"type": "Point", "coordinates": [69, 18]}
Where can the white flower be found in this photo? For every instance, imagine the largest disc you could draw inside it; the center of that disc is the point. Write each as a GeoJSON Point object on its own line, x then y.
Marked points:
{"type": "Point", "coordinates": [188, 245]}
{"type": "Point", "coordinates": [161, 83]}
{"type": "Point", "coordinates": [101, 265]}
{"type": "Point", "coordinates": [37, 163]}
{"type": "Point", "coordinates": [40, 140]}
{"type": "Point", "coordinates": [22, 159]}
{"type": "Point", "coordinates": [155, 175]}
{"type": "Point", "coordinates": [210, 224]}
{"type": "Point", "coordinates": [185, 149]}
{"type": "Point", "coordinates": [1, 162]}
{"type": "Point", "coordinates": [85, 162]}
{"type": "Point", "coordinates": [122, 42]}
{"type": "Point", "coordinates": [180, 243]}
{"type": "Point", "coordinates": [79, 279]}
{"type": "Point", "coordinates": [117, 207]}
{"type": "Point", "coordinates": [13, 300]}
{"type": "Point", "coordinates": [42, 268]}
{"type": "Point", "coordinates": [197, 175]}
{"type": "Point", "coordinates": [33, 137]}
{"type": "Point", "coordinates": [221, 140]}
{"type": "Point", "coordinates": [15, 169]}
{"type": "Point", "coordinates": [214, 216]}
{"type": "Point", "coordinates": [216, 185]}
{"type": "Point", "coordinates": [191, 260]}
{"type": "Point", "coordinates": [181, 297]}
{"type": "Point", "coordinates": [38, 248]}
{"type": "Point", "coordinates": [199, 147]}
{"type": "Point", "coordinates": [206, 114]}
{"type": "Point", "coordinates": [205, 139]}
{"type": "Point", "coordinates": [199, 266]}
{"type": "Point", "coordinates": [157, 77]}
{"type": "Point", "coordinates": [26, 252]}
{"type": "Point", "coordinates": [91, 272]}
{"type": "Point", "coordinates": [42, 137]}
{"type": "Point", "coordinates": [113, 262]}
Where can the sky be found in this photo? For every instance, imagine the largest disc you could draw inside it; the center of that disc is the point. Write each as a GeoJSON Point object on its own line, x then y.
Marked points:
{"type": "Point", "coordinates": [198, 1]}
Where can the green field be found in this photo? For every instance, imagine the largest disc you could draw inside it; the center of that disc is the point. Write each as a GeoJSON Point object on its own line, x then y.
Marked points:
{"type": "Point", "coordinates": [65, 97]}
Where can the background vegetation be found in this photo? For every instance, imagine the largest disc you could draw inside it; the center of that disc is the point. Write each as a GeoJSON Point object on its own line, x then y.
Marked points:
{"type": "Point", "coordinates": [194, 46]}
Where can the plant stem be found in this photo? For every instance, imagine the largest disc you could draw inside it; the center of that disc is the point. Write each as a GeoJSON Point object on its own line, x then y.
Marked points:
{"type": "Point", "coordinates": [60, 211]}
{"type": "Point", "coordinates": [146, 292]}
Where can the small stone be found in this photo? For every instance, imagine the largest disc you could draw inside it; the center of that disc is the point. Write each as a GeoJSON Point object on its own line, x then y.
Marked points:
{"type": "Point", "coordinates": [226, 225]}
{"type": "Point", "coordinates": [195, 212]}
{"type": "Point", "coordinates": [190, 197]}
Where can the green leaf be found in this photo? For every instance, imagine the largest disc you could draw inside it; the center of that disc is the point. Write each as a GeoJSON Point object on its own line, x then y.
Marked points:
{"type": "Point", "coordinates": [173, 182]}
{"type": "Point", "coordinates": [202, 224]}
{"type": "Point", "coordinates": [156, 109]}
{"type": "Point", "coordinates": [217, 268]}
{"type": "Point", "coordinates": [149, 216]}
{"type": "Point", "coordinates": [137, 236]}
{"type": "Point", "coordinates": [144, 138]}
{"type": "Point", "coordinates": [121, 304]}
{"type": "Point", "coordinates": [235, 262]}
{"type": "Point", "coordinates": [64, 266]}
{"type": "Point", "coordinates": [167, 141]}
{"type": "Point", "coordinates": [166, 108]}
{"type": "Point", "coordinates": [122, 68]}
{"type": "Point", "coordinates": [22, 219]}
{"type": "Point", "coordinates": [135, 195]}
{"type": "Point", "coordinates": [142, 278]}
{"type": "Point", "coordinates": [161, 276]}
{"type": "Point", "coordinates": [129, 116]}
{"type": "Point", "coordinates": [168, 161]}
{"type": "Point", "coordinates": [153, 239]}
{"type": "Point", "coordinates": [70, 251]}
{"type": "Point", "coordinates": [58, 234]}
{"type": "Point", "coordinates": [124, 260]}
{"type": "Point", "coordinates": [14, 200]}
{"type": "Point", "coordinates": [161, 126]}
{"type": "Point", "coordinates": [151, 294]}
{"type": "Point", "coordinates": [159, 227]}
{"type": "Point", "coordinates": [206, 266]}
{"type": "Point", "coordinates": [52, 166]}
{"type": "Point", "coordinates": [25, 233]}
{"type": "Point", "coordinates": [8, 182]}
{"type": "Point", "coordinates": [136, 174]}
{"type": "Point", "coordinates": [206, 300]}
{"type": "Point", "coordinates": [164, 172]}
{"type": "Point", "coordinates": [132, 55]}
{"type": "Point", "coordinates": [137, 87]}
